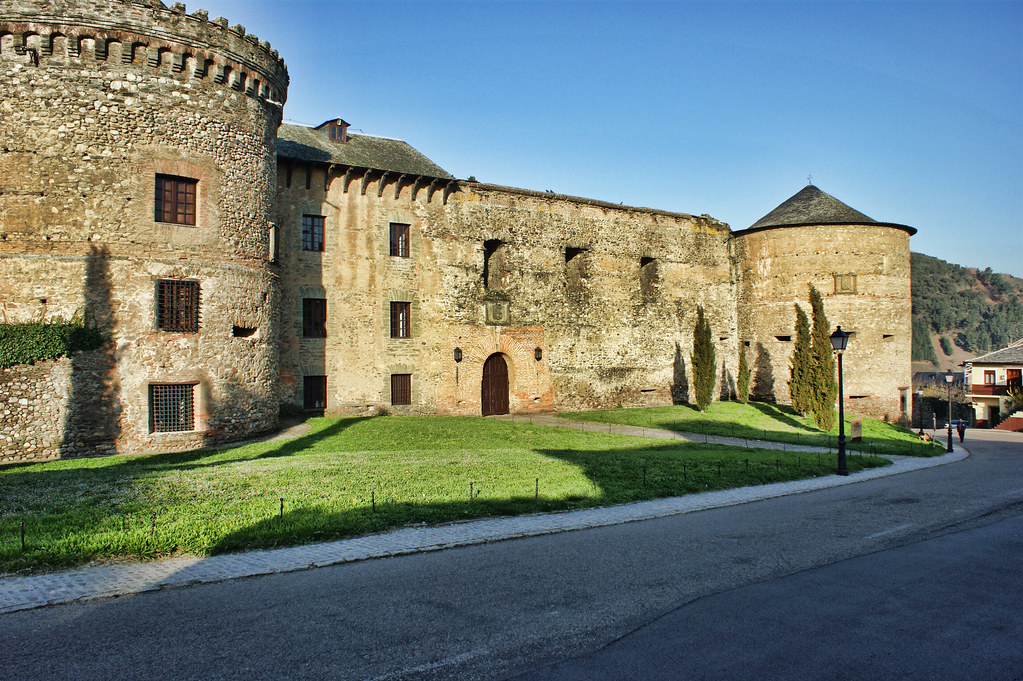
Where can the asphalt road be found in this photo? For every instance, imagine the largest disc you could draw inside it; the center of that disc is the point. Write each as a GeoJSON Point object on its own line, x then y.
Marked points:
{"type": "Point", "coordinates": [863, 581]}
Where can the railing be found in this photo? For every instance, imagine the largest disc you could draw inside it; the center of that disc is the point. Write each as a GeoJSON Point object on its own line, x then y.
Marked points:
{"type": "Point", "coordinates": [988, 390]}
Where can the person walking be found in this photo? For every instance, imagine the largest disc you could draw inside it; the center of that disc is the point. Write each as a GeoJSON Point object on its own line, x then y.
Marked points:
{"type": "Point", "coordinates": [961, 429]}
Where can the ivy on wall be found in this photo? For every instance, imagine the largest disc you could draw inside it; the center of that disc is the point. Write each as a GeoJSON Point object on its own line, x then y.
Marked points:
{"type": "Point", "coordinates": [39, 341]}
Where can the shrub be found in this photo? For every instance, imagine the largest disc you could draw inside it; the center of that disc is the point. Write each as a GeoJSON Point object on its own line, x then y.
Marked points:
{"type": "Point", "coordinates": [40, 341]}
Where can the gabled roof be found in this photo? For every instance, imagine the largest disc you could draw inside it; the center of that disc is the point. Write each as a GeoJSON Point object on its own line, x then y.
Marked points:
{"type": "Point", "coordinates": [811, 206]}
{"type": "Point", "coordinates": [1010, 355]}
{"type": "Point", "coordinates": [302, 143]}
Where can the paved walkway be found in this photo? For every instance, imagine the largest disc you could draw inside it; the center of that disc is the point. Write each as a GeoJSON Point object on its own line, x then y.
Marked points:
{"type": "Point", "coordinates": [88, 583]}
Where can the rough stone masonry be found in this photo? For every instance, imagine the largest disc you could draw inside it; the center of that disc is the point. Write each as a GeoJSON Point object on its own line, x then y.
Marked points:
{"type": "Point", "coordinates": [242, 267]}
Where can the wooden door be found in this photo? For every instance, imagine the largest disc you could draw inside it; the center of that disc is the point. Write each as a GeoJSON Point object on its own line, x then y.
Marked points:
{"type": "Point", "coordinates": [495, 386]}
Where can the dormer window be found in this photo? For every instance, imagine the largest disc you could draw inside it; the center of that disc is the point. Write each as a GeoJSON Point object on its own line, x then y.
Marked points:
{"type": "Point", "coordinates": [336, 130]}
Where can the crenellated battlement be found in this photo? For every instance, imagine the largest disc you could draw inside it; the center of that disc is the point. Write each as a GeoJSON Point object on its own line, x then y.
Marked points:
{"type": "Point", "coordinates": [143, 34]}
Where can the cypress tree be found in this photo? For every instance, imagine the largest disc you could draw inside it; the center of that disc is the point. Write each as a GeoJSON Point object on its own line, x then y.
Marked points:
{"type": "Point", "coordinates": [704, 367]}
{"type": "Point", "coordinates": [824, 388]}
{"type": "Point", "coordinates": [742, 381]}
{"type": "Point", "coordinates": [802, 361]}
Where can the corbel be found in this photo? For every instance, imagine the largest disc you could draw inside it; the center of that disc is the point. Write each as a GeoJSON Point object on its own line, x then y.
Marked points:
{"type": "Point", "coordinates": [434, 186]}
{"type": "Point", "coordinates": [383, 182]}
{"type": "Point", "coordinates": [403, 181]}
{"type": "Point", "coordinates": [420, 182]}
{"type": "Point", "coordinates": [349, 176]}
{"type": "Point", "coordinates": [451, 186]}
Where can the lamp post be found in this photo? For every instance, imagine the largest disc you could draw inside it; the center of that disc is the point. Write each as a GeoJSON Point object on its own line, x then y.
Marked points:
{"type": "Point", "coordinates": [949, 377]}
{"type": "Point", "coordinates": [839, 339]}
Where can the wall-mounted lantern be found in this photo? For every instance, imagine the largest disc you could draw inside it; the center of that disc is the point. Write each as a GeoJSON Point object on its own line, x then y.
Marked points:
{"type": "Point", "coordinates": [538, 353]}
{"type": "Point", "coordinates": [458, 354]}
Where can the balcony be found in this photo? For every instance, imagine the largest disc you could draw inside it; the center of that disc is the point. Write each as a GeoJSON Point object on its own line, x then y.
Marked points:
{"type": "Point", "coordinates": [987, 390]}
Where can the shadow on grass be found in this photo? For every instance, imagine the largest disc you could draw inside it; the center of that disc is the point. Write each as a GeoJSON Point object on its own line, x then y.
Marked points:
{"type": "Point", "coordinates": [136, 467]}
{"type": "Point", "coordinates": [608, 477]}
{"type": "Point", "coordinates": [779, 414]}
{"type": "Point", "coordinates": [107, 519]}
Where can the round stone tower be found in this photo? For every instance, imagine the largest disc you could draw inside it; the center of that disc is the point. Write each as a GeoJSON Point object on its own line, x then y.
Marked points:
{"type": "Point", "coordinates": [138, 173]}
{"type": "Point", "coordinates": [861, 269]}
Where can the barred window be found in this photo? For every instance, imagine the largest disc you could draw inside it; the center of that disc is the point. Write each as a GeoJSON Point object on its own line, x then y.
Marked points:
{"type": "Point", "coordinates": [175, 199]}
{"type": "Point", "coordinates": [399, 240]}
{"type": "Point", "coordinates": [171, 407]}
{"type": "Point", "coordinates": [314, 317]}
{"type": "Point", "coordinates": [401, 314]}
{"type": "Point", "coordinates": [312, 232]}
{"type": "Point", "coordinates": [401, 388]}
{"type": "Point", "coordinates": [315, 389]}
{"type": "Point", "coordinates": [177, 305]}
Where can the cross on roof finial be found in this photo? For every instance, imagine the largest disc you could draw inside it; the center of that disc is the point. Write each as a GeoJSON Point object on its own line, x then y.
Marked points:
{"type": "Point", "coordinates": [809, 179]}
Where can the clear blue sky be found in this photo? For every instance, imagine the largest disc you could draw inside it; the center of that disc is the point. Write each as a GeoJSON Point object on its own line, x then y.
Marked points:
{"type": "Point", "coordinates": [910, 112]}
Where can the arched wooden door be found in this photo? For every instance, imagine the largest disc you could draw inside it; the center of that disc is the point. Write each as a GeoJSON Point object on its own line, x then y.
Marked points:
{"type": "Point", "coordinates": [495, 386]}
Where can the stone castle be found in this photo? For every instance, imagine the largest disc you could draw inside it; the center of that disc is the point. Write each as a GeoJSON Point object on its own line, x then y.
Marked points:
{"type": "Point", "coordinates": [243, 267]}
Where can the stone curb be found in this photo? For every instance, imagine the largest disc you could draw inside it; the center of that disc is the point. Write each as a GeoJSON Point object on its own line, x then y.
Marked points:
{"type": "Point", "coordinates": [90, 583]}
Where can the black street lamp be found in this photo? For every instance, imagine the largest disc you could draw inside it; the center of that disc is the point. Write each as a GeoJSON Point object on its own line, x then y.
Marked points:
{"type": "Point", "coordinates": [839, 339]}
{"type": "Point", "coordinates": [948, 379]}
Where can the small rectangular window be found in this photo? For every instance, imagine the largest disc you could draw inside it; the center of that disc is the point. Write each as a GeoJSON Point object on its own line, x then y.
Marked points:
{"type": "Point", "coordinates": [399, 240]}
{"type": "Point", "coordinates": [177, 305]}
{"type": "Point", "coordinates": [312, 232]}
{"type": "Point", "coordinates": [401, 314]}
{"type": "Point", "coordinates": [575, 269]}
{"type": "Point", "coordinates": [314, 317]}
{"type": "Point", "coordinates": [989, 378]}
{"type": "Point", "coordinates": [648, 278]}
{"type": "Point", "coordinates": [171, 408]}
{"type": "Point", "coordinates": [175, 199]}
{"type": "Point", "coordinates": [401, 388]}
{"type": "Point", "coordinates": [495, 264]}
{"type": "Point", "coordinates": [315, 392]}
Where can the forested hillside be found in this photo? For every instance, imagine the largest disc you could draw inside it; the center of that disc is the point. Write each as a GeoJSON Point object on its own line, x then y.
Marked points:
{"type": "Point", "coordinates": [964, 310]}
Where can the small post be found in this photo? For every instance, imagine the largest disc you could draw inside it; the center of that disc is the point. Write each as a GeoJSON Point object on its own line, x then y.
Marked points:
{"type": "Point", "coordinates": [685, 476]}
{"type": "Point", "coordinates": [281, 516]}
{"type": "Point", "coordinates": [152, 527]}
{"type": "Point", "coordinates": [21, 526]}
{"type": "Point", "coordinates": [470, 490]}
{"type": "Point", "coordinates": [719, 468]}
{"type": "Point", "coordinates": [536, 493]}
{"type": "Point", "coordinates": [373, 500]}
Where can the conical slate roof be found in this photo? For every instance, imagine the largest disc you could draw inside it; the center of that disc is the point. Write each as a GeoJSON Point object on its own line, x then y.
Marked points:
{"type": "Point", "coordinates": [811, 206]}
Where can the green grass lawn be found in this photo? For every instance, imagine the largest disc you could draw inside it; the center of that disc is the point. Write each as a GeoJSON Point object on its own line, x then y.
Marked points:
{"type": "Point", "coordinates": [350, 477]}
{"type": "Point", "coordinates": [764, 421]}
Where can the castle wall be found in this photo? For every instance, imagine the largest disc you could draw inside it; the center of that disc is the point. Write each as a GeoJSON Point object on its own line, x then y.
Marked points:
{"type": "Point", "coordinates": [606, 294]}
{"type": "Point", "coordinates": [777, 265]}
{"type": "Point", "coordinates": [590, 304]}
{"type": "Point", "coordinates": [92, 111]}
